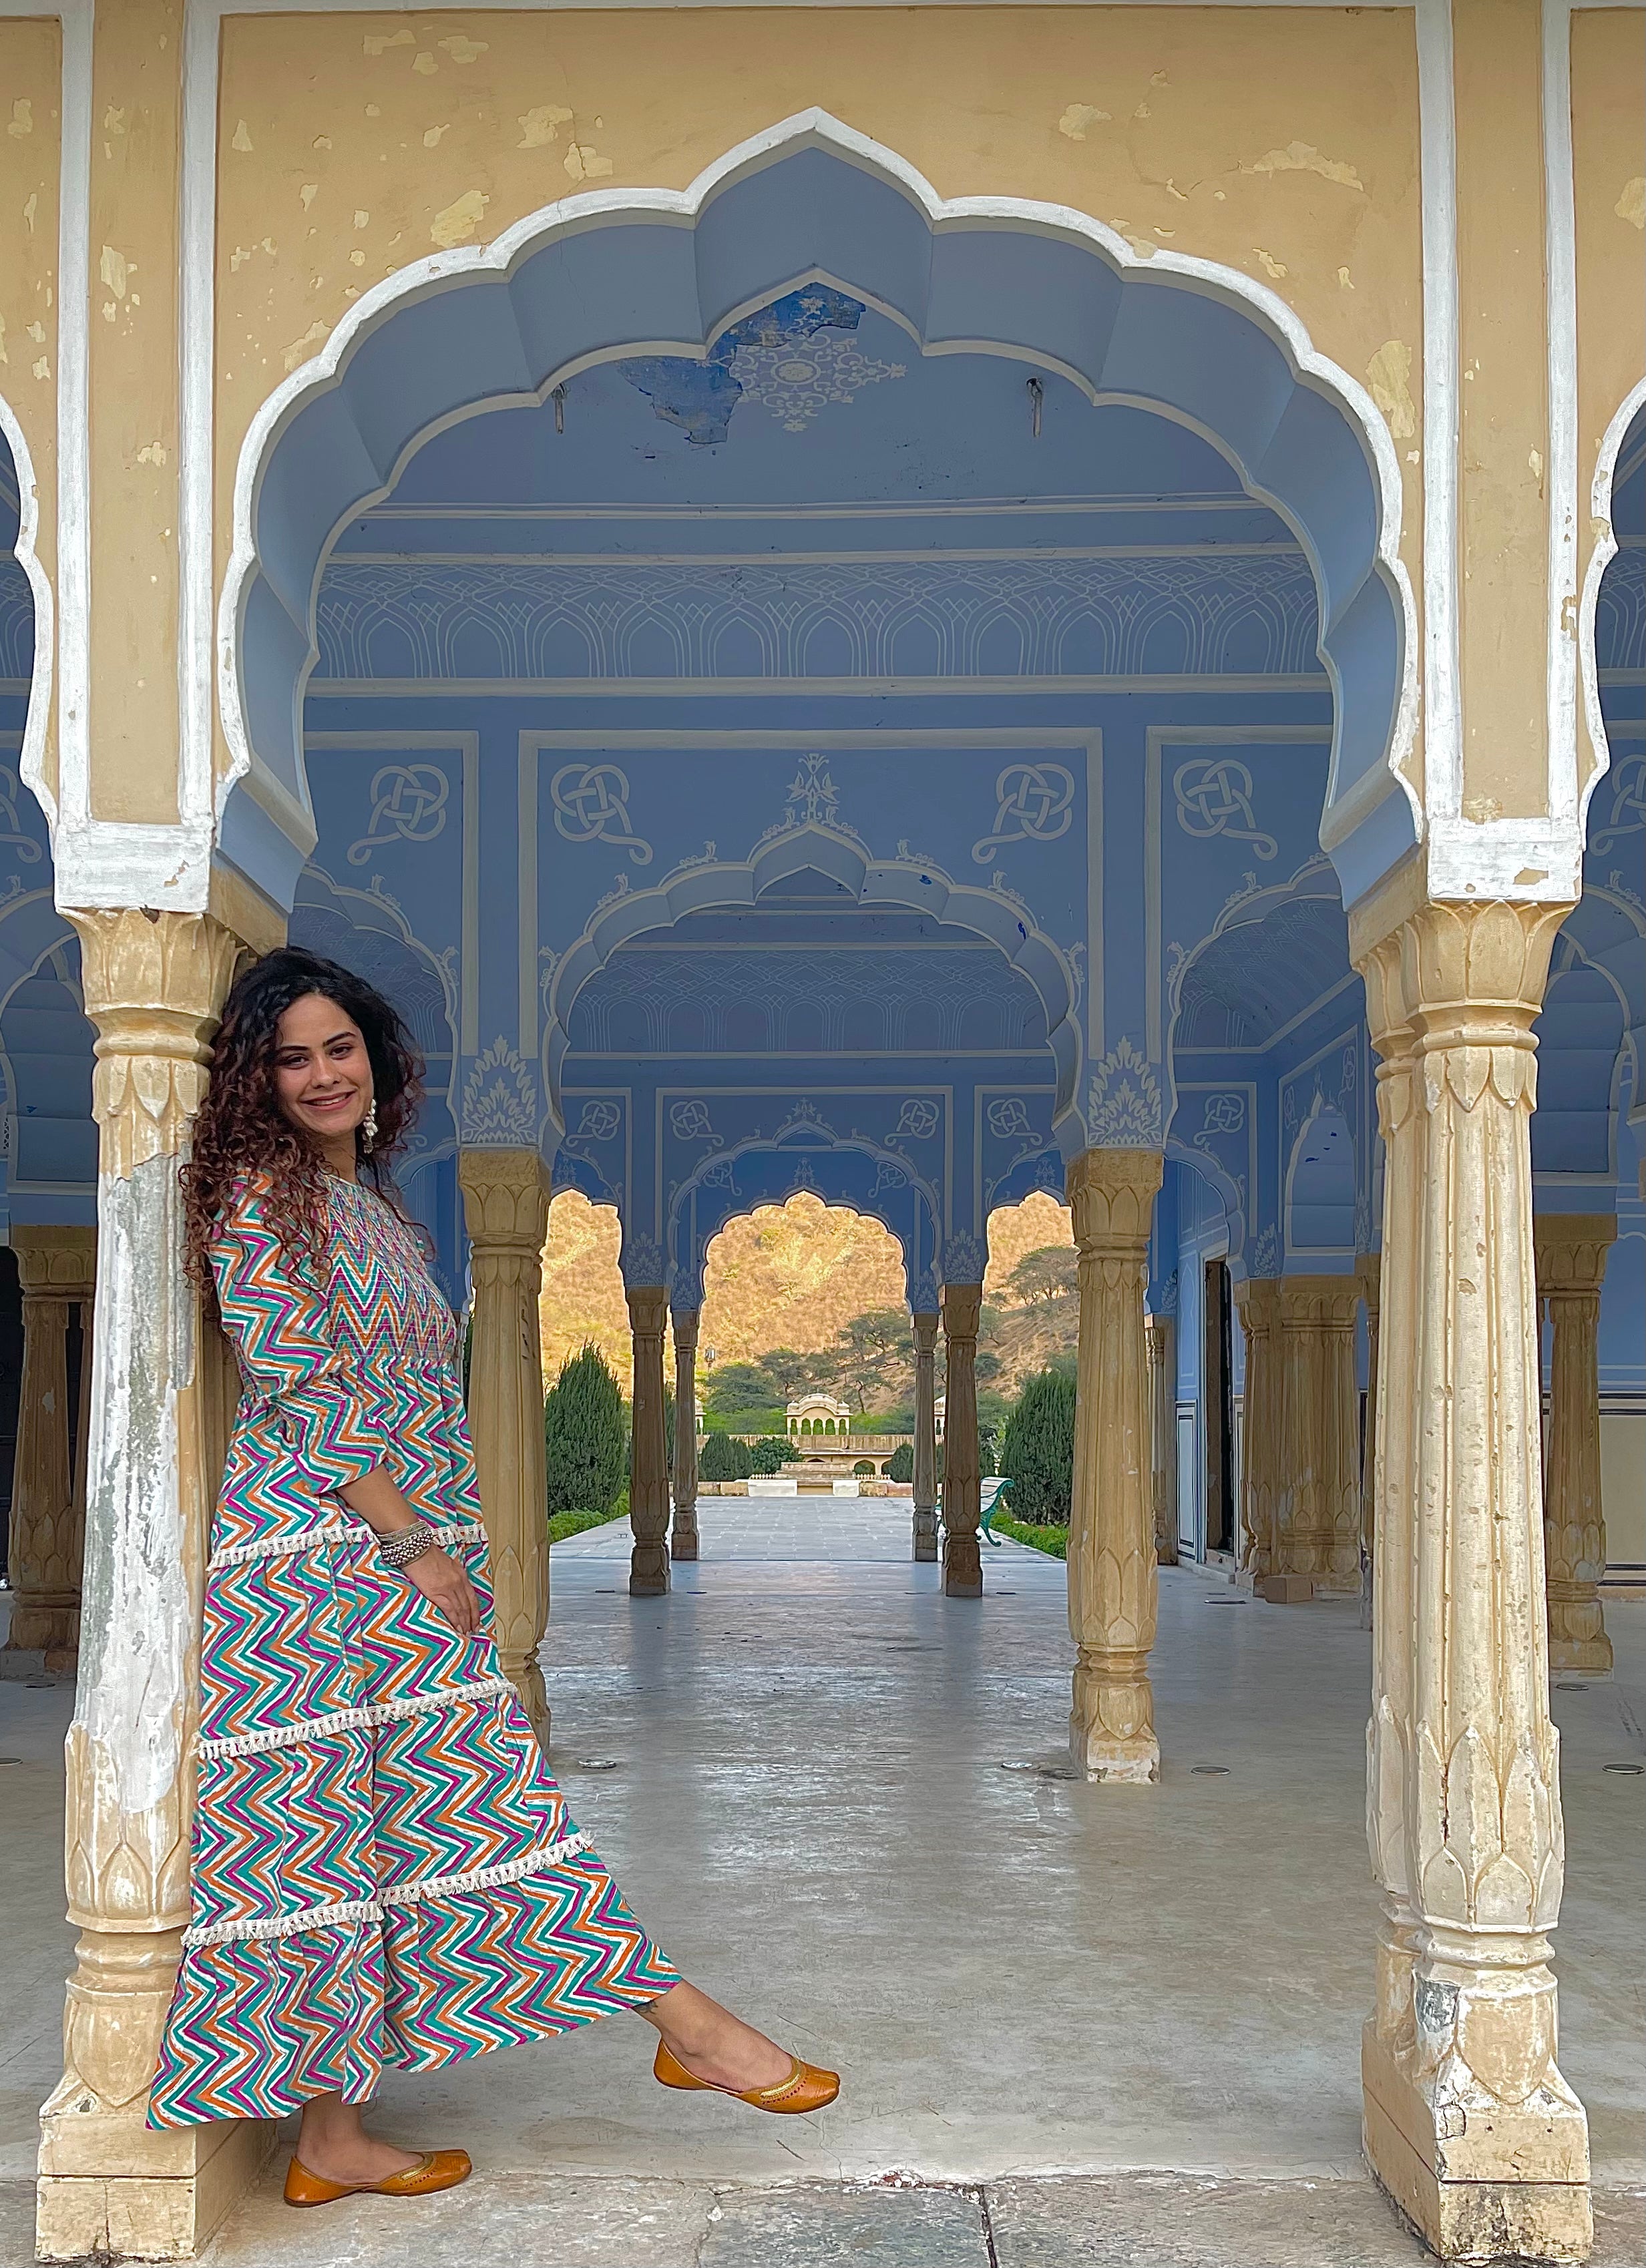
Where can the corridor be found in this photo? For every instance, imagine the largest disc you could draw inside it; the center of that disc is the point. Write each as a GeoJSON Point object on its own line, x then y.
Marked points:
{"type": "Point", "coordinates": [840, 1800]}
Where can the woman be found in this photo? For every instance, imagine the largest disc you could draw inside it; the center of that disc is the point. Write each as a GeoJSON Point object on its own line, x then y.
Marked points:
{"type": "Point", "coordinates": [385, 1874]}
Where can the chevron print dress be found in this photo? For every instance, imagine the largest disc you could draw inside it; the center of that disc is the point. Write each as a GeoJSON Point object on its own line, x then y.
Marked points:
{"type": "Point", "coordinates": [385, 1875]}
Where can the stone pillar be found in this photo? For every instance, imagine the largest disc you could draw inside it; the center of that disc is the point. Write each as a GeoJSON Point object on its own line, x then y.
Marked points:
{"type": "Point", "coordinates": [55, 1267]}
{"type": "Point", "coordinates": [1318, 1515]}
{"type": "Point", "coordinates": [649, 1460]}
{"type": "Point", "coordinates": [684, 1321]}
{"type": "Point", "coordinates": [107, 2186]}
{"type": "Point", "coordinates": [1368, 1276]}
{"type": "Point", "coordinates": [1112, 1568]}
{"type": "Point", "coordinates": [505, 1211]}
{"type": "Point", "coordinates": [925, 1435]}
{"type": "Point", "coordinates": [1258, 1300]}
{"type": "Point", "coordinates": [963, 1498]}
{"type": "Point", "coordinates": [1571, 1261]}
{"type": "Point", "coordinates": [1468, 2121]}
{"type": "Point", "coordinates": [1162, 1343]}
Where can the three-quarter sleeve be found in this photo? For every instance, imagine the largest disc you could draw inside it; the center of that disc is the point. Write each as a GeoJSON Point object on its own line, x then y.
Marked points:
{"type": "Point", "coordinates": [278, 1319]}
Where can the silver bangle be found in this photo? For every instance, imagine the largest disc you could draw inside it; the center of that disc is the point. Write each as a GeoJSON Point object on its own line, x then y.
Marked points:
{"type": "Point", "coordinates": [406, 1545]}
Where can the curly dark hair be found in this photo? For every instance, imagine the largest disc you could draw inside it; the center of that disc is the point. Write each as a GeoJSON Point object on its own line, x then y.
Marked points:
{"type": "Point", "coordinates": [241, 1129]}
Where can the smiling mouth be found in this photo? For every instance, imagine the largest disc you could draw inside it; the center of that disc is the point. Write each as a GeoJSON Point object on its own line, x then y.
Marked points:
{"type": "Point", "coordinates": [329, 1102]}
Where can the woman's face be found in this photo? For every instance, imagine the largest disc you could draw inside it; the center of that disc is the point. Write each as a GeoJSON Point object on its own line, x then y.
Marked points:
{"type": "Point", "coordinates": [322, 1072]}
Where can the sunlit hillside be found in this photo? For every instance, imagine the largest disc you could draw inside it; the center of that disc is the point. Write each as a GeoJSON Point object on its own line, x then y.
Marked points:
{"type": "Point", "coordinates": [789, 1275]}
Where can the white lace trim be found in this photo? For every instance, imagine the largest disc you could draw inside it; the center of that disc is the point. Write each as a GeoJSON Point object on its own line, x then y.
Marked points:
{"type": "Point", "coordinates": [281, 1547]}
{"type": "Point", "coordinates": [355, 1911]}
{"type": "Point", "coordinates": [346, 1721]}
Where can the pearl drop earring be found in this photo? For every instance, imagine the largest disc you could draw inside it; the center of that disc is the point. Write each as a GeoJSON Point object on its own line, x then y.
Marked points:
{"type": "Point", "coordinates": [368, 1129]}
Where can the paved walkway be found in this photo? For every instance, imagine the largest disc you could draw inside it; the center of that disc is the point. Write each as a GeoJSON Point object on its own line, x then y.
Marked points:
{"type": "Point", "coordinates": [838, 1799]}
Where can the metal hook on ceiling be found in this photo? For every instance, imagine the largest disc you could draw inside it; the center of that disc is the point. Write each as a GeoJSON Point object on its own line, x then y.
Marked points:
{"type": "Point", "coordinates": [559, 399]}
{"type": "Point", "coordinates": [1037, 396]}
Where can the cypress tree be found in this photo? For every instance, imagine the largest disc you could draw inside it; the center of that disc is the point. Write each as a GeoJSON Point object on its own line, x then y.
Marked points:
{"type": "Point", "coordinates": [725, 1458]}
{"type": "Point", "coordinates": [901, 1466]}
{"type": "Point", "coordinates": [1037, 1454]}
{"type": "Point", "coordinates": [584, 1434]}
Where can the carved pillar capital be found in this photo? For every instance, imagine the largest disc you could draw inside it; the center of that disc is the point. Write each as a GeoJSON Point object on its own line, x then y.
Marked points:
{"type": "Point", "coordinates": [505, 1198]}
{"type": "Point", "coordinates": [55, 1264]}
{"type": "Point", "coordinates": [1571, 1250]}
{"type": "Point", "coordinates": [1111, 1194]}
{"type": "Point", "coordinates": [152, 984]}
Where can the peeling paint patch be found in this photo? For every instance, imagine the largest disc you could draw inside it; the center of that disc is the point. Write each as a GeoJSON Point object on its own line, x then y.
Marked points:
{"type": "Point", "coordinates": [1270, 264]}
{"type": "Point", "coordinates": [357, 258]}
{"type": "Point", "coordinates": [1389, 374]}
{"type": "Point", "coordinates": [1534, 460]}
{"type": "Point", "coordinates": [1481, 809]}
{"type": "Point", "coordinates": [424, 65]}
{"type": "Point", "coordinates": [542, 126]}
{"type": "Point", "coordinates": [31, 205]}
{"type": "Point", "coordinates": [114, 119]}
{"type": "Point", "coordinates": [376, 42]}
{"type": "Point", "coordinates": [583, 163]}
{"type": "Point", "coordinates": [431, 136]}
{"type": "Point", "coordinates": [1631, 206]}
{"type": "Point", "coordinates": [1304, 158]}
{"type": "Point", "coordinates": [4, 357]}
{"type": "Point", "coordinates": [113, 267]}
{"type": "Point", "coordinates": [21, 122]}
{"type": "Point", "coordinates": [361, 217]}
{"type": "Point", "coordinates": [309, 191]}
{"type": "Point", "coordinates": [1345, 281]}
{"type": "Point", "coordinates": [242, 140]}
{"type": "Point", "coordinates": [152, 452]}
{"type": "Point", "coordinates": [41, 369]}
{"type": "Point", "coordinates": [456, 223]}
{"type": "Point", "coordinates": [1079, 116]}
{"type": "Point", "coordinates": [461, 51]}
{"type": "Point", "coordinates": [301, 348]}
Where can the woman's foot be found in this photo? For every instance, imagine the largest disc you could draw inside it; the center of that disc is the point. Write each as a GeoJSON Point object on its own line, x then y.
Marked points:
{"type": "Point", "coordinates": [714, 2045]}
{"type": "Point", "coordinates": [333, 2143]}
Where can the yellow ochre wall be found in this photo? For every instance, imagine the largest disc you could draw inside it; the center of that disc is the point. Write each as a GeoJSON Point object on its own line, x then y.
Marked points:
{"type": "Point", "coordinates": [1283, 143]}
{"type": "Point", "coordinates": [30, 126]}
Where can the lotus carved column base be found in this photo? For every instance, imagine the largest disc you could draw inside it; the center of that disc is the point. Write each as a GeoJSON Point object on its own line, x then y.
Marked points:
{"type": "Point", "coordinates": [1111, 1724]}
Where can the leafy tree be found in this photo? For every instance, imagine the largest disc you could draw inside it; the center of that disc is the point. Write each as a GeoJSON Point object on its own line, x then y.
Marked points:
{"type": "Point", "coordinates": [584, 1435]}
{"type": "Point", "coordinates": [736, 1387]}
{"type": "Point", "coordinates": [985, 1369]}
{"type": "Point", "coordinates": [725, 1458]}
{"type": "Point", "coordinates": [901, 1467]}
{"type": "Point", "coordinates": [770, 1455]}
{"type": "Point", "coordinates": [1046, 1277]}
{"type": "Point", "coordinates": [1037, 1454]}
{"type": "Point", "coordinates": [865, 1349]}
{"type": "Point", "coordinates": [864, 1465]}
{"type": "Point", "coordinates": [788, 1371]}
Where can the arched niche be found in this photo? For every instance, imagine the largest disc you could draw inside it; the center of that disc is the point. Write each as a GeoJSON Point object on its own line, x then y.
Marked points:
{"type": "Point", "coordinates": [50, 1143]}
{"type": "Point", "coordinates": [1321, 1182]}
{"type": "Point", "coordinates": [1611, 608]}
{"type": "Point", "coordinates": [848, 1173]}
{"type": "Point", "coordinates": [632, 273]}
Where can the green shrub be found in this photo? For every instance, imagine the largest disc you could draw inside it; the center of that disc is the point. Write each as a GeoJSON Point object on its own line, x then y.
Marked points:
{"type": "Point", "coordinates": [1053, 1540]}
{"type": "Point", "coordinates": [573, 1523]}
{"type": "Point", "coordinates": [864, 1465]}
{"type": "Point", "coordinates": [769, 1455]}
{"type": "Point", "coordinates": [902, 1465]}
{"type": "Point", "coordinates": [725, 1458]}
{"type": "Point", "coordinates": [1038, 1453]}
{"type": "Point", "coordinates": [584, 1436]}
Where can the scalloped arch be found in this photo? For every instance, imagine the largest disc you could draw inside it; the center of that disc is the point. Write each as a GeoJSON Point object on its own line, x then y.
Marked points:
{"type": "Point", "coordinates": [609, 273]}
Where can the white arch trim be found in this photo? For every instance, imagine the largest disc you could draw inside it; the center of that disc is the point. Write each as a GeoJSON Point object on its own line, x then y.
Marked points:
{"type": "Point", "coordinates": [1382, 786]}
{"type": "Point", "coordinates": [1601, 558]}
{"type": "Point", "coordinates": [718, 884]}
{"type": "Point", "coordinates": [32, 762]}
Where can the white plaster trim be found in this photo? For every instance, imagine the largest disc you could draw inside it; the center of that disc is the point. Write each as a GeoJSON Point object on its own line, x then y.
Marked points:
{"type": "Point", "coordinates": [196, 475]}
{"type": "Point", "coordinates": [284, 1547]}
{"type": "Point", "coordinates": [32, 754]}
{"type": "Point", "coordinates": [812, 128]}
{"type": "Point", "coordinates": [351, 1912]}
{"type": "Point", "coordinates": [1442, 723]}
{"type": "Point", "coordinates": [978, 508]}
{"type": "Point", "coordinates": [1029, 554]}
{"type": "Point", "coordinates": [1605, 550]}
{"type": "Point", "coordinates": [348, 1720]}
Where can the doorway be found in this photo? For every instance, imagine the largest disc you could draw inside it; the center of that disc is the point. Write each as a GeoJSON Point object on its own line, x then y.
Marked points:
{"type": "Point", "coordinates": [1217, 1375]}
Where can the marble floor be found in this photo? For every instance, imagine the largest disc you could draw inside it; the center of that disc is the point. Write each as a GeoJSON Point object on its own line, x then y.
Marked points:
{"type": "Point", "coordinates": [837, 1798]}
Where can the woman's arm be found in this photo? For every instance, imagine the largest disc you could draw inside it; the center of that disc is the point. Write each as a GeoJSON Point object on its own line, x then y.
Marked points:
{"type": "Point", "coordinates": [440, 1580]}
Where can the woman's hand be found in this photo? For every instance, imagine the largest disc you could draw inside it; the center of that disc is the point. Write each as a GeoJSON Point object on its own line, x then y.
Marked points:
{"type": "Point", "coordinates": [445, 1585]}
